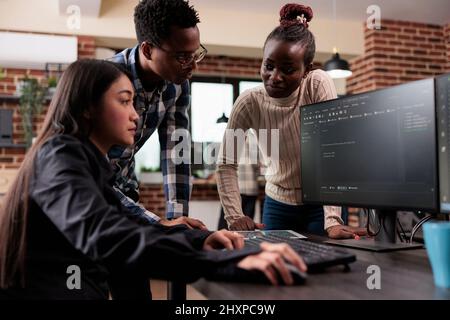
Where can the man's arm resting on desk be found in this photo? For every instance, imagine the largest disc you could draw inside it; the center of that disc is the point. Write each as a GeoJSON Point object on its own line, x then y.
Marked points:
{"type": "Point", "coordinates": [334, 225]}
{"type": "Point", "coordinates": [143, 216]}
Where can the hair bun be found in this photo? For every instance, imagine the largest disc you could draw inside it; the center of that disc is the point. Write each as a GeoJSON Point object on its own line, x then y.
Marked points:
{"type": "Point", "coordinates": [295, 14]}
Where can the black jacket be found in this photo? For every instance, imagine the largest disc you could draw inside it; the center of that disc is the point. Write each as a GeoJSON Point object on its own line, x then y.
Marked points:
{"type": "Point", "coordinates": [76, 219]}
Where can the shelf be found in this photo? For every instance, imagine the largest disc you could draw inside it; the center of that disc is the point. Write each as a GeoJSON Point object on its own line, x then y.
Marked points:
{"type": "Point", "coordinates": [10, 99]}
{"type": "Point", "coordinates": [15, 99]}
{"type": "Point", "coordinates": [12, 145]}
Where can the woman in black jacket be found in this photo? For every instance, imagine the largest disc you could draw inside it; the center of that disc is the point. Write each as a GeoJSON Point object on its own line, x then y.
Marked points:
{"type": "Point", "coordinates": [61, 214]}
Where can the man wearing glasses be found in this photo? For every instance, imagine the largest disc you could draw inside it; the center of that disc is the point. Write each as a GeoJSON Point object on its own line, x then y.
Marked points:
{"type": "Point", "coordinates": [161, 65]}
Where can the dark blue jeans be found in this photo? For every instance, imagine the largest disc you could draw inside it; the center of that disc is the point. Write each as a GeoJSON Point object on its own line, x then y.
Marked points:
{"type": "Point", "coordinates": [301, 218]}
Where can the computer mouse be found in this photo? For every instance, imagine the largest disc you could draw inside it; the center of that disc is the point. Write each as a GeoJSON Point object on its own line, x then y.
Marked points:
{"type": "Point", "coordinates": [298, 276]}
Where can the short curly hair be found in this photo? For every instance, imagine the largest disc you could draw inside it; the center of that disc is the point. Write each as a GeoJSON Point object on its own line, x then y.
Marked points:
{"type": "Point", "coordinates": [153, 19]}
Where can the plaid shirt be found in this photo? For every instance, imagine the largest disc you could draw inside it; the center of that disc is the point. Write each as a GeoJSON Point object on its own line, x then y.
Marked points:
{"type": "Point", "coordinates": [247, 172]}
{"type": "Point", "coordinates": [166, 109]}
{"type": "Point", "coordinates": [248, 179]}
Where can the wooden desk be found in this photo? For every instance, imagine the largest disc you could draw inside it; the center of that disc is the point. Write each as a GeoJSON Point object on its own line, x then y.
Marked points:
{"type": "Point", "coordinates": [404, 275]}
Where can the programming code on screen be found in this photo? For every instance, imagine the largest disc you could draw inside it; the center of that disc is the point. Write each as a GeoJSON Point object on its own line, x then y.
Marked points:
{"type": "Point", "coordinates": [375, 149]}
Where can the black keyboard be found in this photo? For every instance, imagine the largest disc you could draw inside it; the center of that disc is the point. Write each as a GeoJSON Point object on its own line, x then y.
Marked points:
{"type": "Point", "coordinates": [316, 256]}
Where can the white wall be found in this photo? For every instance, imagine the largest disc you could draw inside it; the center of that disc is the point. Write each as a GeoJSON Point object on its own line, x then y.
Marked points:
{"type": "Point", "coordinates": [247, 29]}
{"type": "Point", "coordinates": [15, 50]}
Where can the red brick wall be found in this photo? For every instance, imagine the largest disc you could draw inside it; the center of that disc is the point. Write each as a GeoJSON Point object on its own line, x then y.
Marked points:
{"type": "Point", "coordinates": [229, 66]}
{"type": "Point", "coordinates": [152, 196]}
{"type": "Point", "coordinates": [86, 47]}
{"type": "Point", "coordinates": [399, 52]}
{"type": "Point", "coordinates": [213, 65]}
{"type": "Point", "coordinates": [447, 44]}
{"type": "Point", "coordinates": [11, 158]}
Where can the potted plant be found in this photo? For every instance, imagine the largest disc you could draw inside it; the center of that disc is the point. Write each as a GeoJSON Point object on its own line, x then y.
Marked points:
{"type": "Point", "coordinates": [32, 96]}
{"type": "Point", "coordinates": [51, 83]}
{"type": "Point", "coordinates": [150, 175]}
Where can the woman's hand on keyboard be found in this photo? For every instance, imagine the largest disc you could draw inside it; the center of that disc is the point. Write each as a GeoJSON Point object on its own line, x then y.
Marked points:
{"type": "Point", "coordinates": [272, 261]}
{"type": "Point", "coordinates": [345, 232]}
{"type": "Point", "coordinates": [224, 239]}
{"type": "Point", "coordinates": [245, 223]}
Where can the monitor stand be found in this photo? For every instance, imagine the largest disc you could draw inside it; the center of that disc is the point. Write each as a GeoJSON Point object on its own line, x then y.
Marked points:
{"type": "Point", "coordinates": [385, 240]}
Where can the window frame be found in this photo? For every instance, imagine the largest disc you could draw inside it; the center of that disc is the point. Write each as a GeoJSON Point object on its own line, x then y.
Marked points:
{"type": "Point", "coordinates": [234, 81]}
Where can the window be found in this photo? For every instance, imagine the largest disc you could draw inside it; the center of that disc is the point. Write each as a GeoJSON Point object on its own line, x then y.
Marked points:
{"type": "Point", "coordinates": [209, 102]}
{"type": "Point", "coordinates": [245, 85]}
{"type": "Point", "coordinates": [150, 154]}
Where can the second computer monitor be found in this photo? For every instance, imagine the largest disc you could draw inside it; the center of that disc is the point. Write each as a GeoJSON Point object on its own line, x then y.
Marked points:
{"type": "Point", "coordinates": [374, 150]}
{"type": "Point", "coordinates": [443, 134]}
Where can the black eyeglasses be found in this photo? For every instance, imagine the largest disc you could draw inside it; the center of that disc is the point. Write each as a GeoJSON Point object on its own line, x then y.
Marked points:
{"type": "Point", "coordinates": [186, 59]}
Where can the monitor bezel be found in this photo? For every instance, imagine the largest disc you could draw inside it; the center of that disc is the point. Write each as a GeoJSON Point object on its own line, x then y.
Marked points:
{"type": "Point", "coordinates": [437, 139]}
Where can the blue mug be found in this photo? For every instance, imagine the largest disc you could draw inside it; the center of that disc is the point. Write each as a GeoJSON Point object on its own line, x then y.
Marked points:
{"type": "Point", "coordinates": [437, 242]}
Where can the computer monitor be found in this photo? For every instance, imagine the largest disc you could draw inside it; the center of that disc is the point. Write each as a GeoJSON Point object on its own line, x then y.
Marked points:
{"type": "Point", "coordinates": [373, 150]}
{"type": "Point", "coordinates": [443, 139]}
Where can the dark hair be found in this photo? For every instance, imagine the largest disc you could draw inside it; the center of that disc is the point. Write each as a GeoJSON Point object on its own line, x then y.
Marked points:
{"type": "Point", "coordinates": [293, 27]}
{"type": "Point", "coordinates": [153, 19]}
{"type": "Point", "coordinates": [79, 92]}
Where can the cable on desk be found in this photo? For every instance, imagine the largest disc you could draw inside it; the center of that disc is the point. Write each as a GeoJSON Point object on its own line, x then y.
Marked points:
{"type": "Point", "coordinates": [369, 232]}
{"type": "Point", "coordinates": [418, 225]}
{"type": "Point", "coordinates": [402, 236]}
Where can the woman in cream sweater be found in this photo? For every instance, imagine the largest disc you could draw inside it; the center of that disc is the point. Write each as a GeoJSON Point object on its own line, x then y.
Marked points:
{"type": "Point", "coordinates": [289, 82]}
